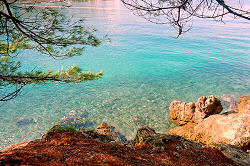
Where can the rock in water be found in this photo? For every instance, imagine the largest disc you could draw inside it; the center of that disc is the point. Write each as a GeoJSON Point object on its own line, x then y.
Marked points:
{"type": "Point", "coordinates": [75, 122]}
{"type": "Point", "coordinates": [111, 132]}
{"type": "Point", "coordinates": [206, 106]}
{"type": "Point", "coordinates": [231, 129]}
{"type": "Point", "coordinates": [143, 134]}
{"type": "Point", "coordinates": [229, 103]}
{"type": "Point", "coordinates": [24, 121]}
{"type": "Point", "coordinates": [226, 98]}
{"type": "Point", "coordinates": [182, 113]}
{"type": "Point", "coordinates": [105, 128]}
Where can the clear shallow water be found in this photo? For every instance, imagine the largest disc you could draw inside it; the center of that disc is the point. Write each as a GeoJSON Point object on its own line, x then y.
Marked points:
{"type": "Point", "coordinates": [145, 68]}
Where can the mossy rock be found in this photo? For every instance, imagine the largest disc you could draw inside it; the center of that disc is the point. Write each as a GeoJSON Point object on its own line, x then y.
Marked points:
{"type": "Point", "coordinates": [148, 136]}
{"type": "Point", "coordinates": [60, 129]}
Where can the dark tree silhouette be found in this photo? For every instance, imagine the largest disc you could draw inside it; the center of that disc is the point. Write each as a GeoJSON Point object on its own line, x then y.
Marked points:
{"type": "Point", "coordinates": [47, 31]}
{"type": "Point", "coordinates": [180, 13]}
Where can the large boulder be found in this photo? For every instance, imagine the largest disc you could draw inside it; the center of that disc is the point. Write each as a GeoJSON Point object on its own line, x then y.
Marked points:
{"type": "Point", "coordinates": [182, 113]}
{"type": "Point", "coordinates": [231, 129]}
{"type": "Point", "coordinates": [206, 106]}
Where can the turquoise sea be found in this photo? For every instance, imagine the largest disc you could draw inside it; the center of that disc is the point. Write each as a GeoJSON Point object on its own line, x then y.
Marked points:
{"type": "Point", "coordinates": [145, 68]}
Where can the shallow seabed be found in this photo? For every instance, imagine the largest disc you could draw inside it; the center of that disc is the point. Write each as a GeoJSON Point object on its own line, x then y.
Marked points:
{"type": "Point", "coordinates": [145, 69]}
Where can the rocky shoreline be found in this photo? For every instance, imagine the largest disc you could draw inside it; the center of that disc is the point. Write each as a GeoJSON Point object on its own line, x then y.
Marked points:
{"type": "Point", "coordinates": [202, 122]}
{"type": "Point", "coordinates": [205, 136]}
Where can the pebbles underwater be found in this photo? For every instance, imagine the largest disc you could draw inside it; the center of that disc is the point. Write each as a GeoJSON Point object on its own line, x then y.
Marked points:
{"type": "Point", "coordinates": [127, 108]}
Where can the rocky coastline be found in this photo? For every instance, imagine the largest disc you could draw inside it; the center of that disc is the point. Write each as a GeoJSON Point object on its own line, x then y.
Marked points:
{"type": "Point", "coordinates": [204, 124]}
{"type": "Point", "coordinates": [205, 136]}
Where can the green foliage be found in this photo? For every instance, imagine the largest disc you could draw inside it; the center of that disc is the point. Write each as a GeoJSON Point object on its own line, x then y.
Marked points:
{"type": "Point", "coordinates": [51, 32]}
{"type": "Point", "coordinates": [9, 72]}
{"type": "Point", "coordinates": [60, 129]}
{"type": "Point", "coordinates": [6, 48]}
{"type": "Point", "coordinates": [48, 31]}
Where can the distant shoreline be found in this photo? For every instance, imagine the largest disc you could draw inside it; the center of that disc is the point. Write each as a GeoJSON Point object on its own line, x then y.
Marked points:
{"type": "Point", "coordinates": [36, 1]}
{"type": "Point", "coordinates": [50, 5]}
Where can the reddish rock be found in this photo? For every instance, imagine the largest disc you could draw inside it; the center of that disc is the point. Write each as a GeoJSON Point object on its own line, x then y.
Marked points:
{"type": "Point", "coordinates": [186, 131]}
{"type": "Point", "coordinates": [182, 113]}
{"type": "Point", "coordinates": [76, 149]}
{"type": "Point", "coordinates": [234, 153]}
{"type": "Point", "coordinates": [244, 105]}
{"type": "Point", "coordinates": [206, 106]}
{"type": "Point", "coordinates": [144, 134]}
{"type": "Point", "coordinates": [231, 129]}
{"type": "Point", "coordinates": [111, 132]}
{"type": "Point", "coordinates": [16, 146]}
{"type": "Point", "coordinates": [104, 128]}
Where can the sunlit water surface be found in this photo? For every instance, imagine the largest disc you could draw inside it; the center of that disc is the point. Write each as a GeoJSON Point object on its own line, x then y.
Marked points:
{"type": "Point", "coordinates": [145, 68]}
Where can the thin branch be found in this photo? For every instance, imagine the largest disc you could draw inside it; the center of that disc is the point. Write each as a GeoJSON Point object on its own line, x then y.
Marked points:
{"type": "Point", "coordinates": [12, 95]}
{"type": "Point", "coordinates": [221, 2]}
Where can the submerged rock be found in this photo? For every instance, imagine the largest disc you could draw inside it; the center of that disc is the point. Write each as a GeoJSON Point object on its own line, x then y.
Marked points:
{"type": "Point", "coordinates": [137, 121]}
{"type": "Point", "coordinates": [25, 121]}
{"type": "Point", "coordinates": [75, 122]}
{"type": "Point", "coordinates": [226, 98]}
{"type": "Point", "coordinates": [73, 112]}
{"type": "Point", "coordinates": [229, 103]}
{"type": "Point", "coordinates": [182, 113]}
